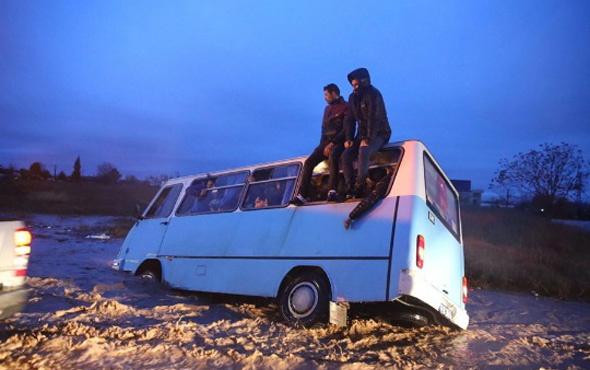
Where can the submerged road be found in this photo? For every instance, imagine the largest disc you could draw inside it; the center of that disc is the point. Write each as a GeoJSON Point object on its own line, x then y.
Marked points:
{"type": "Point", "coordinates": [84, 315]}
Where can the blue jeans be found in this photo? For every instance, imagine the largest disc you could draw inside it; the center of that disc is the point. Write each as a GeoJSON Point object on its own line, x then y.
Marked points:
{"type": "Point", "coordinates": [350, 155]}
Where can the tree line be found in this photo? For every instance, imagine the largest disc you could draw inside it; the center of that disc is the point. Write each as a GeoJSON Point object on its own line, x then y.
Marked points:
{"type": "Point", "coordinates": [548, 179]}
{"type": "Point", "coordinates": [106, 173]}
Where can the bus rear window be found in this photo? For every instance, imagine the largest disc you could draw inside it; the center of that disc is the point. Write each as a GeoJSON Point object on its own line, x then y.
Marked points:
{"type": "Point", "coordinates": [440, 197]}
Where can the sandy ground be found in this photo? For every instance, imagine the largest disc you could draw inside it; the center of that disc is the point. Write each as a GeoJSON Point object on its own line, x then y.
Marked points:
{"type": "Point", "coordinates": [84, 315]}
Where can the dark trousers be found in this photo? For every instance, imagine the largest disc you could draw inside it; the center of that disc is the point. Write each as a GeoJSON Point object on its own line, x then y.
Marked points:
{"type": "Point", "coordinates": [314, 159]}
{"type": "Point", "coordinates": [363, 154]}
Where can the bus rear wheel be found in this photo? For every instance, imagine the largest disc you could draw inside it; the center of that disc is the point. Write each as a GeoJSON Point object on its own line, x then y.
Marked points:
{"type": "Point", "coordinates": [410, 319]}
{"type": "Point", "coordinates": [305, 299]}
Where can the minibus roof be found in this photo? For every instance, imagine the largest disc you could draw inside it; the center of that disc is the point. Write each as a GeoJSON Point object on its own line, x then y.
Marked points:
{"type": "Point", "coordinates": [273, 163]}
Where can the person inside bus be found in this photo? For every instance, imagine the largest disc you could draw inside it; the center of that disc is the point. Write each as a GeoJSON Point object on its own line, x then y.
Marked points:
{"type": "Point", "coordinates": [330, 147]}
{"type": "Point", "coordinates": [199, 192]}
{"type": "Point", "coordinates": [365, 107]}
{"type": "Point", "coordinates": [271, 195]}
{"type": "Point", "coordinates": [319, 188]}
{"type": "Point", "coordinates": [378, 192]}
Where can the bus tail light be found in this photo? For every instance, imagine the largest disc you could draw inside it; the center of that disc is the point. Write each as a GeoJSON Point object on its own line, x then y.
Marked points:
{"type": "Point", "coordinates": [22, 249]}
{"type": "Point", "coordinates": [465, 289]}
{"type": "Point", "coordinates": [420, 251]}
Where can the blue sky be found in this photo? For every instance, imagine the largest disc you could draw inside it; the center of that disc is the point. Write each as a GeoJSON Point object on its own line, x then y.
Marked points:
{"type": "Point", "coordinates": [188, 86]}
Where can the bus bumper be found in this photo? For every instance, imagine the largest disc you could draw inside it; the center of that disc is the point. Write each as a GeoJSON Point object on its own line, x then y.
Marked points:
{"type": "Point", "coordinates": [412, 283]}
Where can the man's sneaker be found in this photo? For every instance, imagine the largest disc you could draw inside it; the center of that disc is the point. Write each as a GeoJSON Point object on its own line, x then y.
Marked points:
{"type": "Point", "coordinates": [332, 196]}
{"type": "Point", "coordinates": [350, 194]}
{"type": "Point", "coordinates": [299, 200]}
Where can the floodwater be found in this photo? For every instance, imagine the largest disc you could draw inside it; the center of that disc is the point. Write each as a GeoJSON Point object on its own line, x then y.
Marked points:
{"type": "Point", "coordinates": [84, 315]}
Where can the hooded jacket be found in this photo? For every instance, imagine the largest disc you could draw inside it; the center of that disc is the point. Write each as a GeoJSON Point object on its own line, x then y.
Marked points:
{"type": "Point", "coordinates": [366, 107]}
{"type": "Point", "coordinates": [333, 122]}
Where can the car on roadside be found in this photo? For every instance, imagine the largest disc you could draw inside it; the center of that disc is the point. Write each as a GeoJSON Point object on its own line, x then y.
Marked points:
{"type": "Point", "coordinates": [15, 248]}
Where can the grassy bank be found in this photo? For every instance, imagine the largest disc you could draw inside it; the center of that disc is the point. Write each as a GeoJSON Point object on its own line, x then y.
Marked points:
{"type": "Point", "coordinates": [518, 251]}
{"type": "Point", "coordinates": [30, 196]}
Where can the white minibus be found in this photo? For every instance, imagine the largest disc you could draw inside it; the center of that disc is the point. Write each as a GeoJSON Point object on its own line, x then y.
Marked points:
{"type": "Point", "coordinates": [235, 232]}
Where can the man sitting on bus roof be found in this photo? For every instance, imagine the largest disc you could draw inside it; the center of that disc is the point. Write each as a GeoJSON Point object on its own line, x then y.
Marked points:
{"type": "Point", "coordinates": [365, 106]}
{"type": "Point", "coordinates": [330, 147]}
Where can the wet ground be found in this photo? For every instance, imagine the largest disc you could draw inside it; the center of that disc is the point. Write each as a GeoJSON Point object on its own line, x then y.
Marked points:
{"type": "Point", "coordinates": [84, 315]}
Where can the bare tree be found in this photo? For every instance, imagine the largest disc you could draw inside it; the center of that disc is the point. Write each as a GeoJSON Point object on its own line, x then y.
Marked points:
{"type": "Point", "coordinates": [551, 173]}
{"type": "Point", "coordinates": [108, 173]}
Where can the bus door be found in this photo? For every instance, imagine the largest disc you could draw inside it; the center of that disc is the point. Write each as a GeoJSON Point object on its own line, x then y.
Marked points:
{"type": "Point", "coordinates": [149, 231]}
{"type": "Point", "coordinates": [268, 218]}
{"type": "Point", "coordinates": [205, 220]}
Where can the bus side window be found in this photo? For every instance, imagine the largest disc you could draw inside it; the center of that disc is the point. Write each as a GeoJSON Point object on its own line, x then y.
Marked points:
{"type": "Point", "coordinates": [271, 187]}
{"type": "Point", "coordinates": [165, 202]}
{"type": "Point", "coordinates": [213, 194]}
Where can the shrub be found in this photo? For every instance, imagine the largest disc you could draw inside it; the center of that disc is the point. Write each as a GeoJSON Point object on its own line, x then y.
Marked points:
{"type": "Point", "coordinates": [512, 249]}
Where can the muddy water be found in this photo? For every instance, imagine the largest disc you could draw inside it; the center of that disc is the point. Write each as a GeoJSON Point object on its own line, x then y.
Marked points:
{"type": "Point", "coordinates": [83, 315]}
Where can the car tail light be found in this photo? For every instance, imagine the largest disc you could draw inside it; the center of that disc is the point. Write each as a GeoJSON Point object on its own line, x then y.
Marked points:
{"type": "Point", "coordinates": [19, 273]}
{"type": "Point", "coordinates": [22, 237]}
{"type": "Point", "coordinates": [420, 251]}
{"type": "Point", "coordinates": [22, 249]}
{"type": "Point", "coordinates": [465, 289]}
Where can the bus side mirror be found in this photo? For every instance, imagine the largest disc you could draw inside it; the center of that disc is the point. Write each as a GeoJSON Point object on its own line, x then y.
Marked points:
{"type": "Point", "coordinates": [137, 212]}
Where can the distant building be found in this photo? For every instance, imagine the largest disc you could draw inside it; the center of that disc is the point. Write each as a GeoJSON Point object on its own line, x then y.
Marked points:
{"type": "Point", "coordinates": [467, 196]}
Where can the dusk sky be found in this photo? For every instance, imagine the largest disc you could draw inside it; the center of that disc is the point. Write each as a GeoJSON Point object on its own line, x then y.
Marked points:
{"type": "Point", "coordinates": [166, 87]}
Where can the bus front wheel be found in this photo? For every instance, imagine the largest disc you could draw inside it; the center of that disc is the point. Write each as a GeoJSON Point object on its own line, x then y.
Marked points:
{"type": "Point", "coordinates": [305, 299]}
{"type": "Point", "coordinates": [150, 270]}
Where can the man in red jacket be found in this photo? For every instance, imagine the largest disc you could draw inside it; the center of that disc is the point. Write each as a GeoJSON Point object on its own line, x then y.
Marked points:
{"type": "Point", "coordinates": [330, 147]}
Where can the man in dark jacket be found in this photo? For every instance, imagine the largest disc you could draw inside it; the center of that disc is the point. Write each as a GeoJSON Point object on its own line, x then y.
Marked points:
{"type": "Point", "coordinates": [330, 147]}
{"type": "Point", "coordinates": [365, 106]}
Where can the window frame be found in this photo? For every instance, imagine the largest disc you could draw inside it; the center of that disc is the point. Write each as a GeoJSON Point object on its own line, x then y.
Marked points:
{"type": "Point", "coordinates": [216, 175]}
{"type": "Point", "coordinates": [430, 204]}
{"type": "Point", "coordinates": [153, 203]}
{"type": "Point", "coordinates": [296, 178]}
{"type": "Point", "coordinates": [396, 166]}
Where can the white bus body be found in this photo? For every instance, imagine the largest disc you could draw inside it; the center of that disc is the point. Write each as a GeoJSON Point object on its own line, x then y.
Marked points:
{"type": "Point", "coordinates": [407, 248]}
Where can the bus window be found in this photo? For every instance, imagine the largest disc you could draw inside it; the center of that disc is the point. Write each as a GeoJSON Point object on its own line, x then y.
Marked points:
{"type": "Point", "coordinates": [385, 157]}
{"type": "Point", "coordinates": [379, 163]}
{"type": "Point", "coordinates": [213, 194]}
{"type": "Point", "coordinates": [440, 197]}
{"type": "Point", "coordinates": [165, 202]}
{"type": "Point", "coordinates": [271, 187]}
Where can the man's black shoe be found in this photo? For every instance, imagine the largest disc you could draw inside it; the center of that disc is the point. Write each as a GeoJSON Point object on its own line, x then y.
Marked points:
{"type": "Point", "coordinates": [332, 196]}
